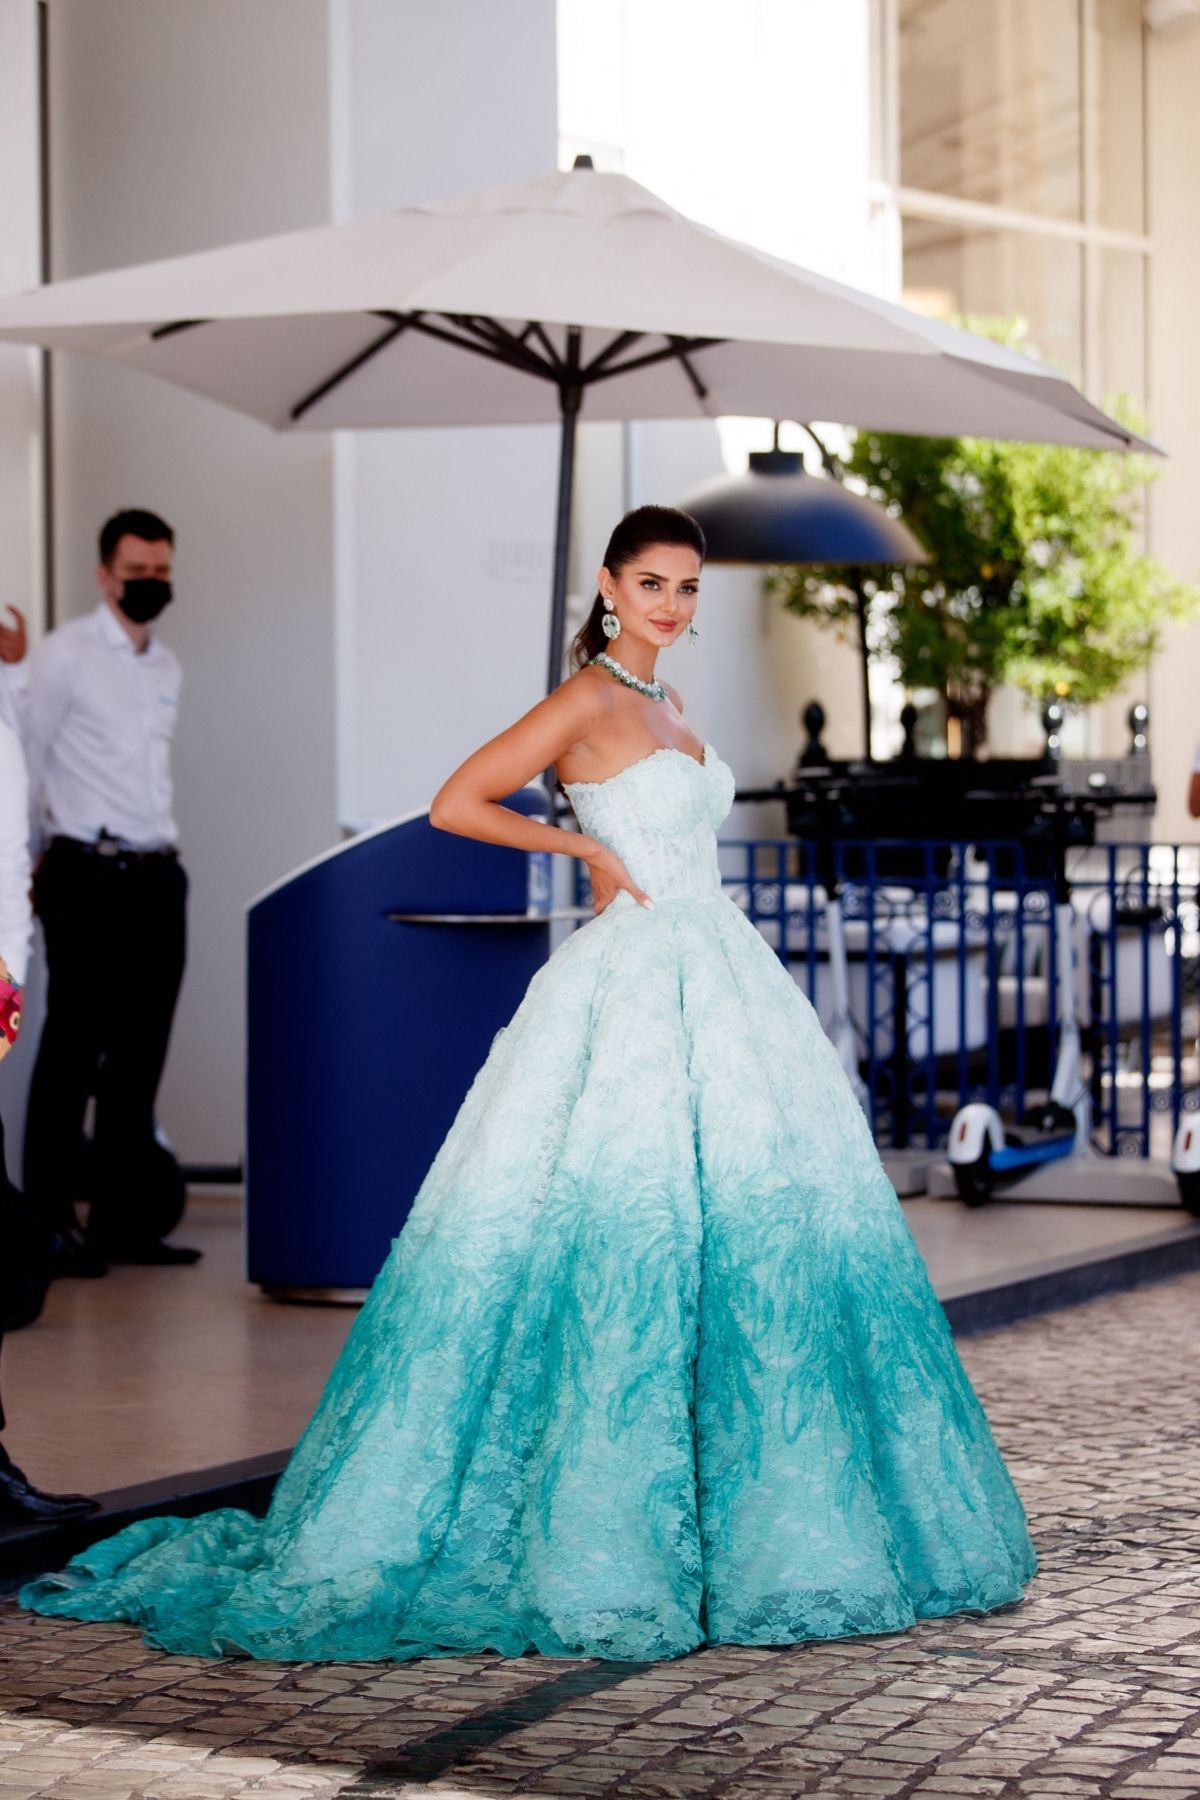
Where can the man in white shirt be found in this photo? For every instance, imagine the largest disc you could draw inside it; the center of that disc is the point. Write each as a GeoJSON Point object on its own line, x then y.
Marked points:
{"type": "Point", "coordinates": [97, 719]}
{"type": "Point", "coordinates": [21, 1286]}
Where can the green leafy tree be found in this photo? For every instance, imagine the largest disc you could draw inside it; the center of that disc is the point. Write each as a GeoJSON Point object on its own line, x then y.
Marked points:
{"type": "Point", "coordinates": [1036, 575]}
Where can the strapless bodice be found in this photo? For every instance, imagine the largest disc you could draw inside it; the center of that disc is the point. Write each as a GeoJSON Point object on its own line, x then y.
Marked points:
{"type": "Point", "coordinates": [660, 816]}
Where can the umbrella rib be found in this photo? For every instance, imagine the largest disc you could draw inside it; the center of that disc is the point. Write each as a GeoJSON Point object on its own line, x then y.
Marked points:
{"type": "Point", "coordinates": [681, 347]}
{"type": "Point", "coordinates": [487, 337]}
{"type": "Point", "coordinates": [399, 324]}
{"type": "Point", "coordinates": [677, 349]}
{"type": "Point", "coordinates": [508, 346]}
{"type": "Point", "coordinates": [516, 341]}
{"type": "Point", "coordinates": [495, 352]}
{"type": "Point", "coordinates": [592, 371]}
{"type": "Point", "coordinates": [535, 329]}
{"type": "Point", "coordinates": [166, 331]}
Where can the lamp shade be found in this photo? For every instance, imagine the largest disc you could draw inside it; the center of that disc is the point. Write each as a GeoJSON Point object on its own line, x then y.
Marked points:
{"type": "Point", "coordinates": [779, 514]}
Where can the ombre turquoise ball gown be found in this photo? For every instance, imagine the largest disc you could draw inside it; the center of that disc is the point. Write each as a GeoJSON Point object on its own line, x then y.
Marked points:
{"type": "Point", "coordinates": [654, 1362]}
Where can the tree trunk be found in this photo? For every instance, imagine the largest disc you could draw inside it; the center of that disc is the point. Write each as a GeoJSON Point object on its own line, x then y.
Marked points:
{"type": "Point", "coordinates": [971, 712]}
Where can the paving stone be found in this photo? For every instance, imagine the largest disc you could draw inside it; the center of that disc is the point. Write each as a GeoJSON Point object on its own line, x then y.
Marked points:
{"type": "Point", "coordinates": [1090, 1687]}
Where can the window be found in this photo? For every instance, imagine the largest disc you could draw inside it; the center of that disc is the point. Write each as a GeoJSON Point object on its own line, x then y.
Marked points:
{"type": "Point", "coordinates": [951, 269]}
{"type": "Point", "coordinates": [1009, 157]}
{"type": "Point", "coordinates": [990, 102]}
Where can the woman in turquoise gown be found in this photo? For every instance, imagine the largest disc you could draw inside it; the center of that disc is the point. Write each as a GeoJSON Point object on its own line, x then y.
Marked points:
{"type": "Point", "coordinates": [654, 1362]}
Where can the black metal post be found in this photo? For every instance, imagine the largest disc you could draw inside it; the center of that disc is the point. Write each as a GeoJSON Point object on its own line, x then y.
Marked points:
{"type": "Point", "coordinates": [835, 472]}
{"type": "Point", "coordinates": [864, 653]}
{"type": "Point", "coordinates": [902, 1095]}
{"type": "Point", "coordinates": [570, 396]}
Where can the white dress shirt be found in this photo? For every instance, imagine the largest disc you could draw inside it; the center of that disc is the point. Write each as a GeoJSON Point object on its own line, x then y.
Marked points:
{"type": "Point", "coordinates": [12, 696]}
{"type": "Point", "coordinates": [16, 919]}
{"type": "Point", "coordinates": [99, 716]}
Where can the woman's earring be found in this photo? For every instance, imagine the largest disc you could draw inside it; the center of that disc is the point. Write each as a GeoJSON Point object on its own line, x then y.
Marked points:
{"type": "Point", "coordinates": [610, 625]}
{"type": "Point", "coordinates": [693, 633]}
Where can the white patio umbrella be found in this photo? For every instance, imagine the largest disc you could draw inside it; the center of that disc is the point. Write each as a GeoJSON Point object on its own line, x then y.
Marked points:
{"type": "Point", "coordinates": [529, 303]}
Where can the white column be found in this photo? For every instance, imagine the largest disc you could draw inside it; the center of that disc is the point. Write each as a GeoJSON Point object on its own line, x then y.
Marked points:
{"type": "Point", "coordinates": [443, 537]}
{"type": "Point", "coordinates": [21, 441]}
{"type": "Point", "coordinates": [174, 128]}
{"type": "Point", "coordinates": [754, 120]}
{"type": "Point", "coordinates": [22, 510]}
{"type": "Point", "coordinates": [1174, 406]}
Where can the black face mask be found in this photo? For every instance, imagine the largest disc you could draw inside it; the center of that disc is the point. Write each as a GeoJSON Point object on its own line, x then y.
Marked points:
{"type": "Point", "coordinates": [144, 598]}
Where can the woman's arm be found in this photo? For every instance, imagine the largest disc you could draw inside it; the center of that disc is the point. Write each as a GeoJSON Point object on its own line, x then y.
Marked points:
{"type": "Point", "coordinates": [468, 802]}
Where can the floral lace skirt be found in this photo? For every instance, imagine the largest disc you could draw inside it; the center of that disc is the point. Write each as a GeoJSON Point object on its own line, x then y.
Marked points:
{"type": "Point", "coordinates": [654, 1362]}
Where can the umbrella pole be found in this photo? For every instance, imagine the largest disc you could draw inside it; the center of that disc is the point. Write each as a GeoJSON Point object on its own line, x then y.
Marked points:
{"type": "Point", "coordinates": [570, 397]}
{"type": "Point", "coordinates": [562, 548]}
{"type": "Point", "coordinates": [860, 602]}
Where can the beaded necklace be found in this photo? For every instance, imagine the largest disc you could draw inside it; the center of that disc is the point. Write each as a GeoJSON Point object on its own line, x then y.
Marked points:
{"type": "Point", "coordinates": [653, 690]}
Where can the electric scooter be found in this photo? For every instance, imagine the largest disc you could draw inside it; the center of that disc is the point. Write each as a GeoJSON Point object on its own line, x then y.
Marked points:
{"type": "Point", "coordinates": [1185, 1163]}
{"type": "Point", "coordinates": [1048, 1155]}
{"type": "Point", "coordinates": [984, 1153]}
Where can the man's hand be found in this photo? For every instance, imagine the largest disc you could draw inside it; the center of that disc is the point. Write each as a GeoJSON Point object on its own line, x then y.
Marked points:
{"type": "Point", "coordinates": [13, 638]}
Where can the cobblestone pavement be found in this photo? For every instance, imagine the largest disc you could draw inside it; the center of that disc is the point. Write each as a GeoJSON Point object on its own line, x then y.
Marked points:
{"type": "Point", "coordinates": [1091, 1686]}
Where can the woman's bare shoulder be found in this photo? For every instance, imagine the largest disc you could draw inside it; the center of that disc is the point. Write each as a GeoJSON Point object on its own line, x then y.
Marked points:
{"type": "Point", "coordinates": [585, 698]}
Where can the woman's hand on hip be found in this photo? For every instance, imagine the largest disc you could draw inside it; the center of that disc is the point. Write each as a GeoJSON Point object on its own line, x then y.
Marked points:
{"type": "Point", "coordinates": [609, 876]}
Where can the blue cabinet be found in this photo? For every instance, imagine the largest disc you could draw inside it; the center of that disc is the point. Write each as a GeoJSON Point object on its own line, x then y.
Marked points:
{"type": "Point", "coordinates": [365, 1031]}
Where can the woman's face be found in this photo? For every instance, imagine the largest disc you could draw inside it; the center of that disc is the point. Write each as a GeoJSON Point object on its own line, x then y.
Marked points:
{"type": "Point", "coordinates": [655, 594]}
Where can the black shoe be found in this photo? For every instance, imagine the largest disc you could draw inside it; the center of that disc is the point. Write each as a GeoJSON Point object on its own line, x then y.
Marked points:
{"type": "Point", "coordinates": [151, 1252]}
{"type": "Point", "coordinates": [19, 1499]}
{"type": "Point", "coordinates": [72, 1255]}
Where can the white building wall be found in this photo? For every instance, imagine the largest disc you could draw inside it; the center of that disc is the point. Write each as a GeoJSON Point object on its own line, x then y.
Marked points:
{"type": "Point", "coordinates": [21, 531]}
{"type": "Point", "coordinates": [21, 445]}
{"type": "Point", "coordinates": [444, 537]}
{"type": "Point", "coordinates": [174, 128]}
{"type": "Point", "coordinates": [756, 122]}
{"type": "Point", "coordinates": [333, 594]}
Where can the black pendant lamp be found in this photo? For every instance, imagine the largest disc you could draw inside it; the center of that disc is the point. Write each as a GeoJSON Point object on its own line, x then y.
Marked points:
{"type": "Point", "coordinates": [777, 513]}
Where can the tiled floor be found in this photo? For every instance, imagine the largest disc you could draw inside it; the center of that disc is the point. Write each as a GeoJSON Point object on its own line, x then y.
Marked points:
{"type": "Point", "coordinates": [965, 1247]}
{"type": "Point", "coordinates": [1090, 1687]}
{"type": "Point", "coordinates": [150, 1372]}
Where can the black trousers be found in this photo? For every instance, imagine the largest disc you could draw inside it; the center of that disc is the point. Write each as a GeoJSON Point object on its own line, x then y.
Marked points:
{"type": "Point", "coordinates": [25, 1258]}
{"type": "Point", "coordinates": [115, 947]}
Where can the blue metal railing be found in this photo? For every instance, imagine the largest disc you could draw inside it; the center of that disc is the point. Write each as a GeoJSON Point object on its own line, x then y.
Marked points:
{"type": "Point", "coordinates": [952, 962]}
{"type": "Point", "coordinates": [929, 930]}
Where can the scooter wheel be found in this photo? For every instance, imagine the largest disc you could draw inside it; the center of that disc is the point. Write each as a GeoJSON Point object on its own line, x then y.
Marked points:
{"type": "Point", "coordinates": [1189, 1190]}
{"type": "Point", "coordinates": [975, 1181]}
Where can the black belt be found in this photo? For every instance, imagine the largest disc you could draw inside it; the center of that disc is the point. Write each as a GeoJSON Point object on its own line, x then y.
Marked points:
{"type": "Point", "coordinates": [112, 850]}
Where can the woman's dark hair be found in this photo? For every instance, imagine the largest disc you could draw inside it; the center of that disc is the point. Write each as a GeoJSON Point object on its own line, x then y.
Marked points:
{"type": "Point", "coordinates": [644, 526]}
